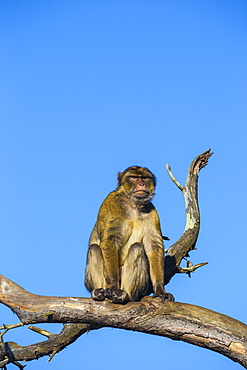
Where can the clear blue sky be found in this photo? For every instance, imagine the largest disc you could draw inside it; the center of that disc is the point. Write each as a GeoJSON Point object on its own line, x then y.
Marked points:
{"type": "Point", "coordinates": [89, 88]}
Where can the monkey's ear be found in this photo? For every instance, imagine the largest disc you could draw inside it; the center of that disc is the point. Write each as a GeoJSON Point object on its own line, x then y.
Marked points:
{"type": "Point", "coordinates": [119, 177]}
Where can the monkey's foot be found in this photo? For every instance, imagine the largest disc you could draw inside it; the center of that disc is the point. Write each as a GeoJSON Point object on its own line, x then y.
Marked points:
{"type": "Point", "coordinates": [98, 294]}
{"type": "Point", "coordinates": [116, 295]}
{"type": "Point", "coordinates": [119, 296]}
{"type": "Point", "coordinates": [164, 296]}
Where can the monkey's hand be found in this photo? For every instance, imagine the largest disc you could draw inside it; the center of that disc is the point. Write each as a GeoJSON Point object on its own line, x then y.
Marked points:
{"type": "Point", "coordinates": [164, 296]}
{"type": "Point", "coordinates": [116, 295]}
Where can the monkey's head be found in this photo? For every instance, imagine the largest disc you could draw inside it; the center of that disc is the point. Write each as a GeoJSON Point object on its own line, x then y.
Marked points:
{"type": "Point", "coordinates": [138, 183]}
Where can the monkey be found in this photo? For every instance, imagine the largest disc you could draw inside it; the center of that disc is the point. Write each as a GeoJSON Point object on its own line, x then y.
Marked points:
{"type": "Point", "coordinates": [125, 259]}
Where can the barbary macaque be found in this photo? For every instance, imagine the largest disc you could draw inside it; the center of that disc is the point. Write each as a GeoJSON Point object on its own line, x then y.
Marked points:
{"type": "Point", "coordinates": [125, 258]}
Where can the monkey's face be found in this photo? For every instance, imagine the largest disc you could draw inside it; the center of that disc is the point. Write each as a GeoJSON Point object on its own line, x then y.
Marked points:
{"type": "Point", "coordinates": [138, 184]}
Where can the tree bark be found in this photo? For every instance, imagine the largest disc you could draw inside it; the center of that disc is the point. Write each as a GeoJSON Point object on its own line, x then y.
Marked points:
{"type": "Point", "coordinates": [187, 241]}
{"type": "Point", "coordinates": [179, 321]}
{"type": "Point", "coordinates": [175, 320]}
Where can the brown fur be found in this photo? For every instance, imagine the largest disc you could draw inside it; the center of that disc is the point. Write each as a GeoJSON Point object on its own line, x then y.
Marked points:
{"type": "Point", "coordinates": [126, 253]}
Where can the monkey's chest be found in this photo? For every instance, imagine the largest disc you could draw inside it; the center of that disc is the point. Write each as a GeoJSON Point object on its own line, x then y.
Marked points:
{"type": "Point", "coordinates": [135, 231]}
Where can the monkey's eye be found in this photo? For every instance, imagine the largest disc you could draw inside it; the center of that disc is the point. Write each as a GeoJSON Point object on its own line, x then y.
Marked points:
{"type": "Point", "coordinates": [134, 177]}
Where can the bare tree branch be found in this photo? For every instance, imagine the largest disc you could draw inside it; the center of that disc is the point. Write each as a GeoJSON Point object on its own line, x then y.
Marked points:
{"type": "Point", "coordinates": [11, 351]}
{"type": "Point", "coordinates": [188, 239]}
{"type": "Point", "coordinates": [179, 321]}
{"type": "Point", "coordinates": [175, 320]}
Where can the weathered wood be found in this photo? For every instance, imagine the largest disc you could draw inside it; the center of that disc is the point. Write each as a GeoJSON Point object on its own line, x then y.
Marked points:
{"type": "Point", "coordinates": [11, 351]}
{"type": "Point", "coordinates": [175, 320]}
{"type": "Point", "coordinates": [188, 239]}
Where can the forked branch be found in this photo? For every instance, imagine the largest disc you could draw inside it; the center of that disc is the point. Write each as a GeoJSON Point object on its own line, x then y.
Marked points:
{"type": "Point", "coordinates": [187, 241]}
{"type": "Point", "coordinates": [204, 328]}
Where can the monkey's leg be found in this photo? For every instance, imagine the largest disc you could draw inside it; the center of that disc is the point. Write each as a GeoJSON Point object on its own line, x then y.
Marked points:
{"type": "Point", "coordinates": [94, 276]}
{"type": "Point", "coordinates": [135, 279]}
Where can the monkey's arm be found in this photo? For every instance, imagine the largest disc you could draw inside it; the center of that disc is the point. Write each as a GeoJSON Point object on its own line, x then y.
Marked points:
{"type": "Point", "coordinates": [154, 248]}
{"type": "Point", "coordinates": [110, 239]}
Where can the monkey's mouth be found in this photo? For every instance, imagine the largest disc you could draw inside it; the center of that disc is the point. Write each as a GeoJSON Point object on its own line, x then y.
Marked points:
{"type": "Point", "coordinates": [140, 193]}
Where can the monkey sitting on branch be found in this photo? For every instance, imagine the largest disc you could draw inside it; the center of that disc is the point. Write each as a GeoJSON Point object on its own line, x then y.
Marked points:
{"type": "Point", "coordinates": [125, 258]}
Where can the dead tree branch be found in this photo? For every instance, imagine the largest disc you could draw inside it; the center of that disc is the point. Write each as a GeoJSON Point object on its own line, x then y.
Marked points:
{"type": "Point", "coordinates": [187, 241]}
{"type": "Point", "coordinates": [178, 321]}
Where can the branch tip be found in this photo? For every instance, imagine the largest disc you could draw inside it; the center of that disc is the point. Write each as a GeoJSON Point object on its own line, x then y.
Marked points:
{"type": "Point", "coordinates": [3, 363]}
{"type": "Point", "coordinates": [201, 161]}
{"type": "Point", "coordinates": [191, 268]}
{"type": "Point", "coordinates": [52, 355]}
{"type": "Point", "coordinates": [8, 327]}
{"type": "Point", "coordinates": [41, 331]}
{"type": "Point", "coordinates": [173, 177]}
